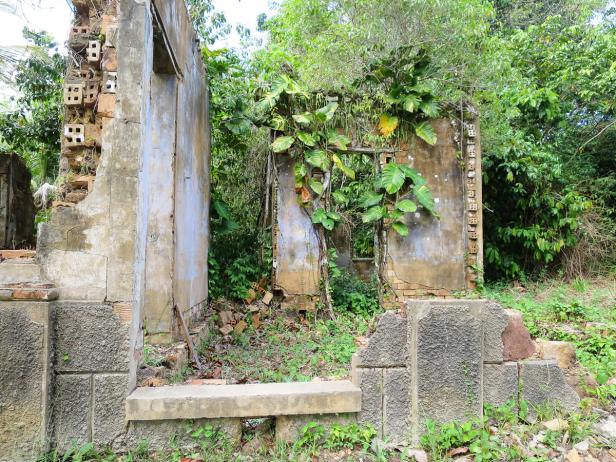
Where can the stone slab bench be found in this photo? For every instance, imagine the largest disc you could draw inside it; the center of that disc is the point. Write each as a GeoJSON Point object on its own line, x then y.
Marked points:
{"type": "Point", "coordinates": [243, 401]}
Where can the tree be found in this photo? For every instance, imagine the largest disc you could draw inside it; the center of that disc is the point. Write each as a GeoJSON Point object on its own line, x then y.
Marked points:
{"type": "Point", "coordinates": [32, 127]}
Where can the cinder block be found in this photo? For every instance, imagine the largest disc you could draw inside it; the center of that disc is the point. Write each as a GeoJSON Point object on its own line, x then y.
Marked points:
{"type": "Point", "coordinates": [500, 383]}
{"type": "Point", "coordinates": [494, 323]}
{"type": "Point", "coordinates": [371, 383]}
{"type": "Point", "coordinates": [90, 337]}
{"type": "Point", "coordinates": [158, 433]}
{"type": "Point", "coordinates": [289, 427]}
{"type": "Point", "coordinates": [110, 80]}
{"type": "Point", "coordinates": [108, 423]}
{"type": "Point", "coordinates": [73, 94]}
{"type": "Point", "coordinates": [396, 405]}
{"type": "Point", "coordinates": [72, 410]}
{"type": "Point", "coordinates": [74, 135]}
{"type": "Point", "coordinates": [387, 347]}
{"type": "Point", "coordinates": [94, 51]}
{"type": "Point", "coordinates": [447, 365]}
{"type": "Point", "coordinates": [90, 92]}
{"type": "Point", "coordinates": [543, 383]}
{"type": "Point", "coordinates": [24, 379]}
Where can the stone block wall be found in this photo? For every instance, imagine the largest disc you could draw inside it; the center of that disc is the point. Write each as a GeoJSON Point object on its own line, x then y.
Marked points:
{"type": "Point", "coordinates": [443, 360]}
{"type": "Point", "coordinates": [25, 376]}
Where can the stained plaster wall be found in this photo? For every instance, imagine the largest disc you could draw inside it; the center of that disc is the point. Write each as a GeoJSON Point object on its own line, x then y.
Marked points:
{"type": "Point", "coordinates": [296, 247]}
{"type": "Point", "coordinates": [441, 256]}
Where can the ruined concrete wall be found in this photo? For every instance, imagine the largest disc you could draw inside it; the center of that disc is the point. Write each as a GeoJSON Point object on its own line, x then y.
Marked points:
{"type": "Point", "coordinates": [443, 360]}
{"type": "Point", "coordinates": [440, 256]}
{"type": "Point", "coordinates": [139, 231]}
{"type": "Point", "coordinates": [16, 204]}
{"type": "Point", "coordinates": [296, 247]}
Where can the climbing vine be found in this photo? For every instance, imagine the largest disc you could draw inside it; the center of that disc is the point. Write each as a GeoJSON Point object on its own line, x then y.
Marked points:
{"type": "Point", "coordinates": [314, 130]}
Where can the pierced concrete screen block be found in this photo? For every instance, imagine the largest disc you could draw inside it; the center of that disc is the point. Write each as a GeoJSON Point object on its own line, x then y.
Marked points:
{"type": "Point", "coordinates": [73, 94]}
{"type": "Point", "coordinates": [110, 80]}
{"type": "Point", "coordinates": [74, 135]}
{"type": "Point", "coordinates": [90, 92]}
{"type": "Point", "coordinates": [79, 30]}
{"type": "Point", "coordinates": [94, 51]}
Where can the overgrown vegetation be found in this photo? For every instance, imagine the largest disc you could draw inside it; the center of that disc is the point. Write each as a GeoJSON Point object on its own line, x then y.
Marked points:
{"type": "Point", "coordinates": [281, 349]}
{"type": "Point", "coordinates": [30, 124]}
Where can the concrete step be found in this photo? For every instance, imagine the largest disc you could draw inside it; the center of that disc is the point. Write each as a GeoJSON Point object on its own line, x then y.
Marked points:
{"type": "Point", "coordinates": [242, 401]}
{"type": "Point", "coordinates": [19, 271]}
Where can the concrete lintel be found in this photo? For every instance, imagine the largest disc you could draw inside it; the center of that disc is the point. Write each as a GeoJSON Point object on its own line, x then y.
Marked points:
{"type": "Point", "coordinates": [252, 400]}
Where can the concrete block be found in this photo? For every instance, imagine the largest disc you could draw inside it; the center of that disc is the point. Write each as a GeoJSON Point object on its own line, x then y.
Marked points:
{"type": "Point", "coordinates": [371, 383]}
{"type": "Point", "coordinates": [253, 400]}
{"type": "Point", "coordinates": [500, 383]}
{"type": "Point", "coordinates": [72, 410]}
{"type": "Point", "coordinates": [289, 427]}
{"type": "Point", "coordinates": [387, 347]}
{"type": "Point", "coordinates": [108, 422]}
{"type": "Point", "coordinates": [14, 272]}
{"type": "Point", "coordinates": [494, 323]}
{"type": "Point", "coordinates": [158, 433]}
{"type": "Point", "coordinates": [562, 352]}
{"type": "Point", "coordinates": [396, 405]}
{"type": "Point", "coordinates": [24, 379]}
{"type": "Point", "coordinates": [542, 382]}
{"type": "Point", "coordinates": [89, 338]}
{"type": "Point", "coordinates": [446, 364]}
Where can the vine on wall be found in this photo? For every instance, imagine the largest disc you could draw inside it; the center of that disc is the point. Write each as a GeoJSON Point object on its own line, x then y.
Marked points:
{"type": "Point", "coordinates": [316, 130]}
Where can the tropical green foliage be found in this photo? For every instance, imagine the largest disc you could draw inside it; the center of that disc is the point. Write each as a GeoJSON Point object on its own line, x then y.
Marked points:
{"type": "Point", "coordinates": [31, 126]}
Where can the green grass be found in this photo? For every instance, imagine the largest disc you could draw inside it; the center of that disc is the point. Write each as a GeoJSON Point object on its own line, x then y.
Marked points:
{"type": "Point", "coordinates": [285, 350]}
{"type": "Point", "coordinates": [581, 312]}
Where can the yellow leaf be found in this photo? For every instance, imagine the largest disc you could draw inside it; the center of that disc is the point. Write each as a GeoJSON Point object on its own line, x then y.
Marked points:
{"type": "Point", "coordinates": [387, 124]}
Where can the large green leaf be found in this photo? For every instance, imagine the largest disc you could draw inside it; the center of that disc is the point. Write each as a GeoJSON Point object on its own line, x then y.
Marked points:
{"type": "Point", "coordinates": [370, 198]}
{"type": "Point", "coordinates": [413, 175]}
{"type": "Point", "coordinates": [425, 131]}
{"type": "Point", "coordinates": [407, 206]}
{"type": "Point", "coordinates": [326, 113]}
{"type": "Point", "coordinates": [392, 178]}
{"type": "Point", "coordinates": [425, 198]}
{"type": "Point", "coordinates": [334, 216]}
{"type": "Point", "coordinates": [429, 108]}
{"type": "Point", "coordinates": [343, 168]}
{"type": "Point", "coordinates": [306, 138]}
{"type": "Point", "coordinates": [321, 217]}
{"type": "Point", "coordinates": [411, 103]}
{"type": "Point", "coordinates": [339, 197]}
{"type": "Point", "coordinates": [300, 171]}
{"type": "Point", "coordinates": [400, 228]}
{"type": "Point", "coordinates": [338, 140]}
{"type": "Point", "coordinates": [318, 158]}
{"type": "Point", "coordinates": [373, 214]}
{"type": "Point", "coordinates": [282, 143]}
{"type": "Point", "coordinates": [306, 118]}
{"type": "Point", "coordinates": [316, 186]}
